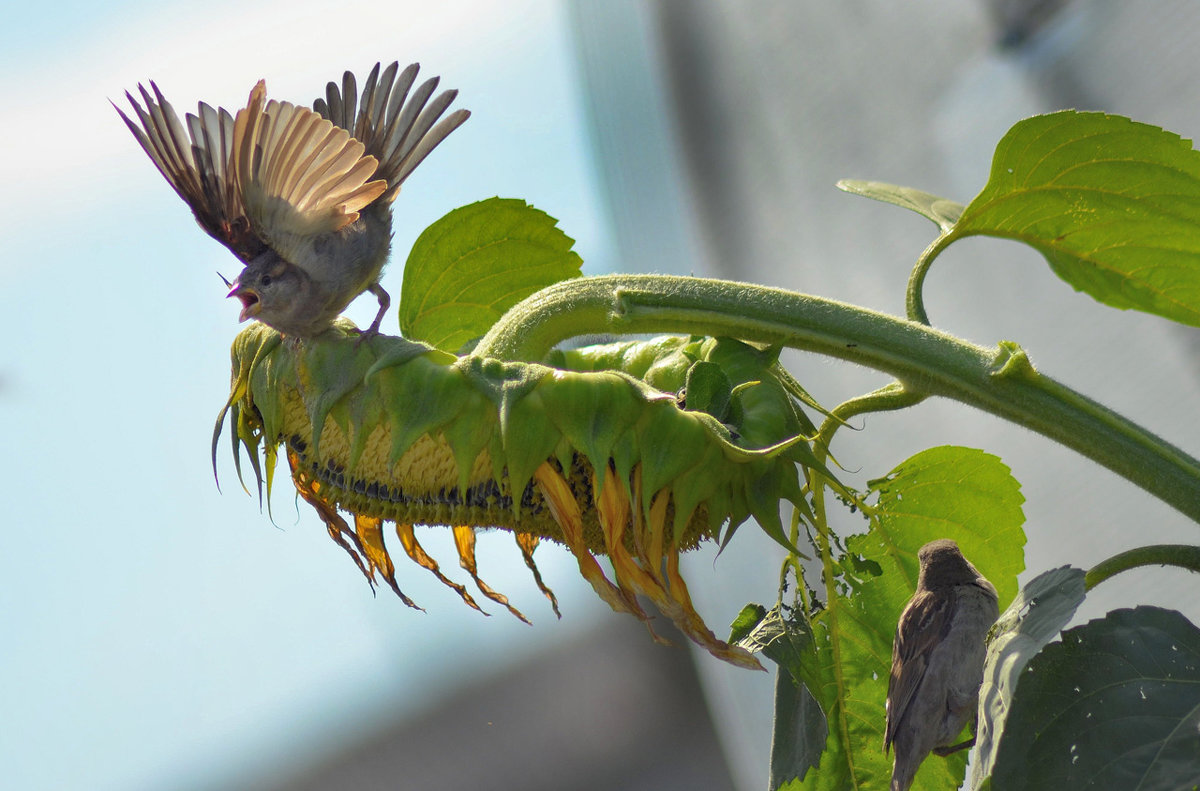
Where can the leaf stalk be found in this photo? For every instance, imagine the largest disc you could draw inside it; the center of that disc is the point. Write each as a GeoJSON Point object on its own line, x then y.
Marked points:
{"type": "Point", "coordinates": [1184, 556]}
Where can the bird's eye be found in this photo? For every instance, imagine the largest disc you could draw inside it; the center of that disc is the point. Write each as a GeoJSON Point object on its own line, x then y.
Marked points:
{"type": "Point", "coordinates": [266, 280]}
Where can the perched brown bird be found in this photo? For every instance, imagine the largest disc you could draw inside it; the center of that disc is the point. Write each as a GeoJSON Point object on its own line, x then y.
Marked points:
{"type": "Point", "coordinates": [937, 660]}
{"type": "Point", "coordinates": [302, 197]}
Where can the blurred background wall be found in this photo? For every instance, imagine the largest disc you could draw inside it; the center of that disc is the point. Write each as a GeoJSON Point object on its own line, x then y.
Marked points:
{"type": "Point", "coordinates": [158, 634]}
{"type": "Point", "coordinates": [768, 104]}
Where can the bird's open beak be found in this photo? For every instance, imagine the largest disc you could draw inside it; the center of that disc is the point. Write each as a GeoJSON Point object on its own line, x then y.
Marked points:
{"type": "Point", "coordinates": [249, 299]}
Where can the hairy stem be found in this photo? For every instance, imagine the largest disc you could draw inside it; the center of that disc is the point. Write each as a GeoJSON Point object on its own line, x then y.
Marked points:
{"type": "Point", "coordinates": [1184, 556]}
{"type": "Point", "coordinates": [888, 398]}
{"type": "Point", "coordinates": [1000, 380]}
{"type": "Point", "coordinates": [915, 299]}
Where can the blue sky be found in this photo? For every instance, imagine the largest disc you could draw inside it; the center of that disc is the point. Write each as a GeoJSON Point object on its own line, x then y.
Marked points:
{"type": "Point", "coordinates": [158, 633]}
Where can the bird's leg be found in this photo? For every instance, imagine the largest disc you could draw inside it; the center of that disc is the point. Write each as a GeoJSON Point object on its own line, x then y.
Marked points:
{"type": "Point", "coordinates": [385, 302]}
{"type": "Point", "coordinates": [965, 745]}
{"type": "Point", "coordinates": [944, 751]}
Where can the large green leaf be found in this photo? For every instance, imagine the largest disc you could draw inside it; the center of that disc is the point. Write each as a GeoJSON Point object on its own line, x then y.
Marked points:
{"type": "Point", "coordinates": [952, 492]}
{"type": "Point", "coordinates": [1035, 617]}
{"type": "Point", "coordinates": [1114, 205]}
{"type": "Point", "coordinates": [944, 492]}
{"type": "Point", "coordinates": [472, 265]}
{"type": "Point", "coordinates": [1115, 705]}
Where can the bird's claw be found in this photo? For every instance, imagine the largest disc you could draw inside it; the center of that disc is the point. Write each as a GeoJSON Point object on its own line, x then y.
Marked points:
{"type": "Point", "coordinates": [366, 335]}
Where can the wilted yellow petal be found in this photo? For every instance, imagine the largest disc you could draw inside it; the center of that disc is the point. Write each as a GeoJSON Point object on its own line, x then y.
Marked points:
{"type": "Point", "coordinates": [529, 542]}
{"type": "Point", "coordinates": [565, 510]}
{"type": "Point", "coordinates": [414, 550]}
{"type": "Point", "coordinates": [464, 542]}
{"type": "Point", "coordinates": [370, 538]}
{"type": "Point", "coordinates": [337, 527]}
{"type": "Point", "coordinates": [691, 624]}
{"type": "Point", "coordinates": [613, 511]}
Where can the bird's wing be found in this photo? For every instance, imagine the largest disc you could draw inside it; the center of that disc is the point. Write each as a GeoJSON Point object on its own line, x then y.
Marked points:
{"type": "Point", "coordinates": [299, 175]}
{"type": "Point", "coordinates": [196, 162]}
{"type": "Point", "coordinates": [398, 130]}
{"type": "Point", "coordinates": [923, 624]}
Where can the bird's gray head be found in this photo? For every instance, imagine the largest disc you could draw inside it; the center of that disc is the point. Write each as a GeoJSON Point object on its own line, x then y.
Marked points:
{"type": "Point", "coordinates": [943, 564]}
{"type": "Point", "coordinates": [271, 290]}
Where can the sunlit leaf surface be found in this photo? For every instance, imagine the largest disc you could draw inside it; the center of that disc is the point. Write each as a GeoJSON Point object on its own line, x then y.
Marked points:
{"type": "Point", "coordinates": [1114, 206]}
{"type": "Point", "coordinates": [475, 263]}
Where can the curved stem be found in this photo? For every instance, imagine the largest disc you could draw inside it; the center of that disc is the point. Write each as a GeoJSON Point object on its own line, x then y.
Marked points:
{"type": "Point", "coordinates": [914, 300]}
{"type": "Point", "coordinates": [887, 398]}
{"type": "Point", "coordinates": [926, 361]}
{"type": "Point", "coordinates": [1184, 556]}
{"type": "Point", "coordinates": [792, 563]}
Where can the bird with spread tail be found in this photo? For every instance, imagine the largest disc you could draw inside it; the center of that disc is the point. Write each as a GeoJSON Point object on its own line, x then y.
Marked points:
{"type": "Point", "coordinates": [303, 197]}
{"type": "Point", "coordinates": [937, 660]}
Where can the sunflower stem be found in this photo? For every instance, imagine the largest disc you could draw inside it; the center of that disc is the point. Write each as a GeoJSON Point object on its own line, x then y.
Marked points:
{"type": "Point", "coordinates": [925, 361]}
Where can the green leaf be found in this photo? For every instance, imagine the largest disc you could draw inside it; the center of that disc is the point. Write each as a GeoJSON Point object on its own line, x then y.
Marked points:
{"type": "Point", "coordinates": [800, 731]}
{"type": "Point", "coordinates": [750, 617]}
{"type": "Point", "coordinates": [944, 492]}
{"type": "Point", "coordinates": [1116, 704]}
{"type": "Point", "coordinates": [953, 492]}
{"type": "Point", "coordinates": [1035, 617]}
{"type": "Point", "coordinates": [943, 212]}
{"type": "Point", "coordinates": [472, 265]}
{"type": "Point", "coordinates": [782, 640]}
{"type": "Point", "coordinates": [800, 728]}
{"type": "Point", "coordinates": [1113, 205]}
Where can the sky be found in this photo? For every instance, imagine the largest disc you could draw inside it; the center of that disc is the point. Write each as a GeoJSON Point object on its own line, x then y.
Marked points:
{"type": "Point", "coordinates": [156, 632]}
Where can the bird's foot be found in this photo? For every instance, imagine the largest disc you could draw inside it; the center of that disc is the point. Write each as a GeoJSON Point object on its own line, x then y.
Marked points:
{"type": "Point", "coordinates": [385, 302]}
{"type": "Point", "coordinates": [366, 335]}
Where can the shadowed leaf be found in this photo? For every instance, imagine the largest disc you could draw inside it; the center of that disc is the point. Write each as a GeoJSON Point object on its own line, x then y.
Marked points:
{"type": "Point", "coordinates": [1115, 705]}
{"type": "Point", "coordinates": [799, 734]}
{"type": "Point", "coordinates": [1035, 617]}
{"type": "Point", "coordinates": [800, 728]}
